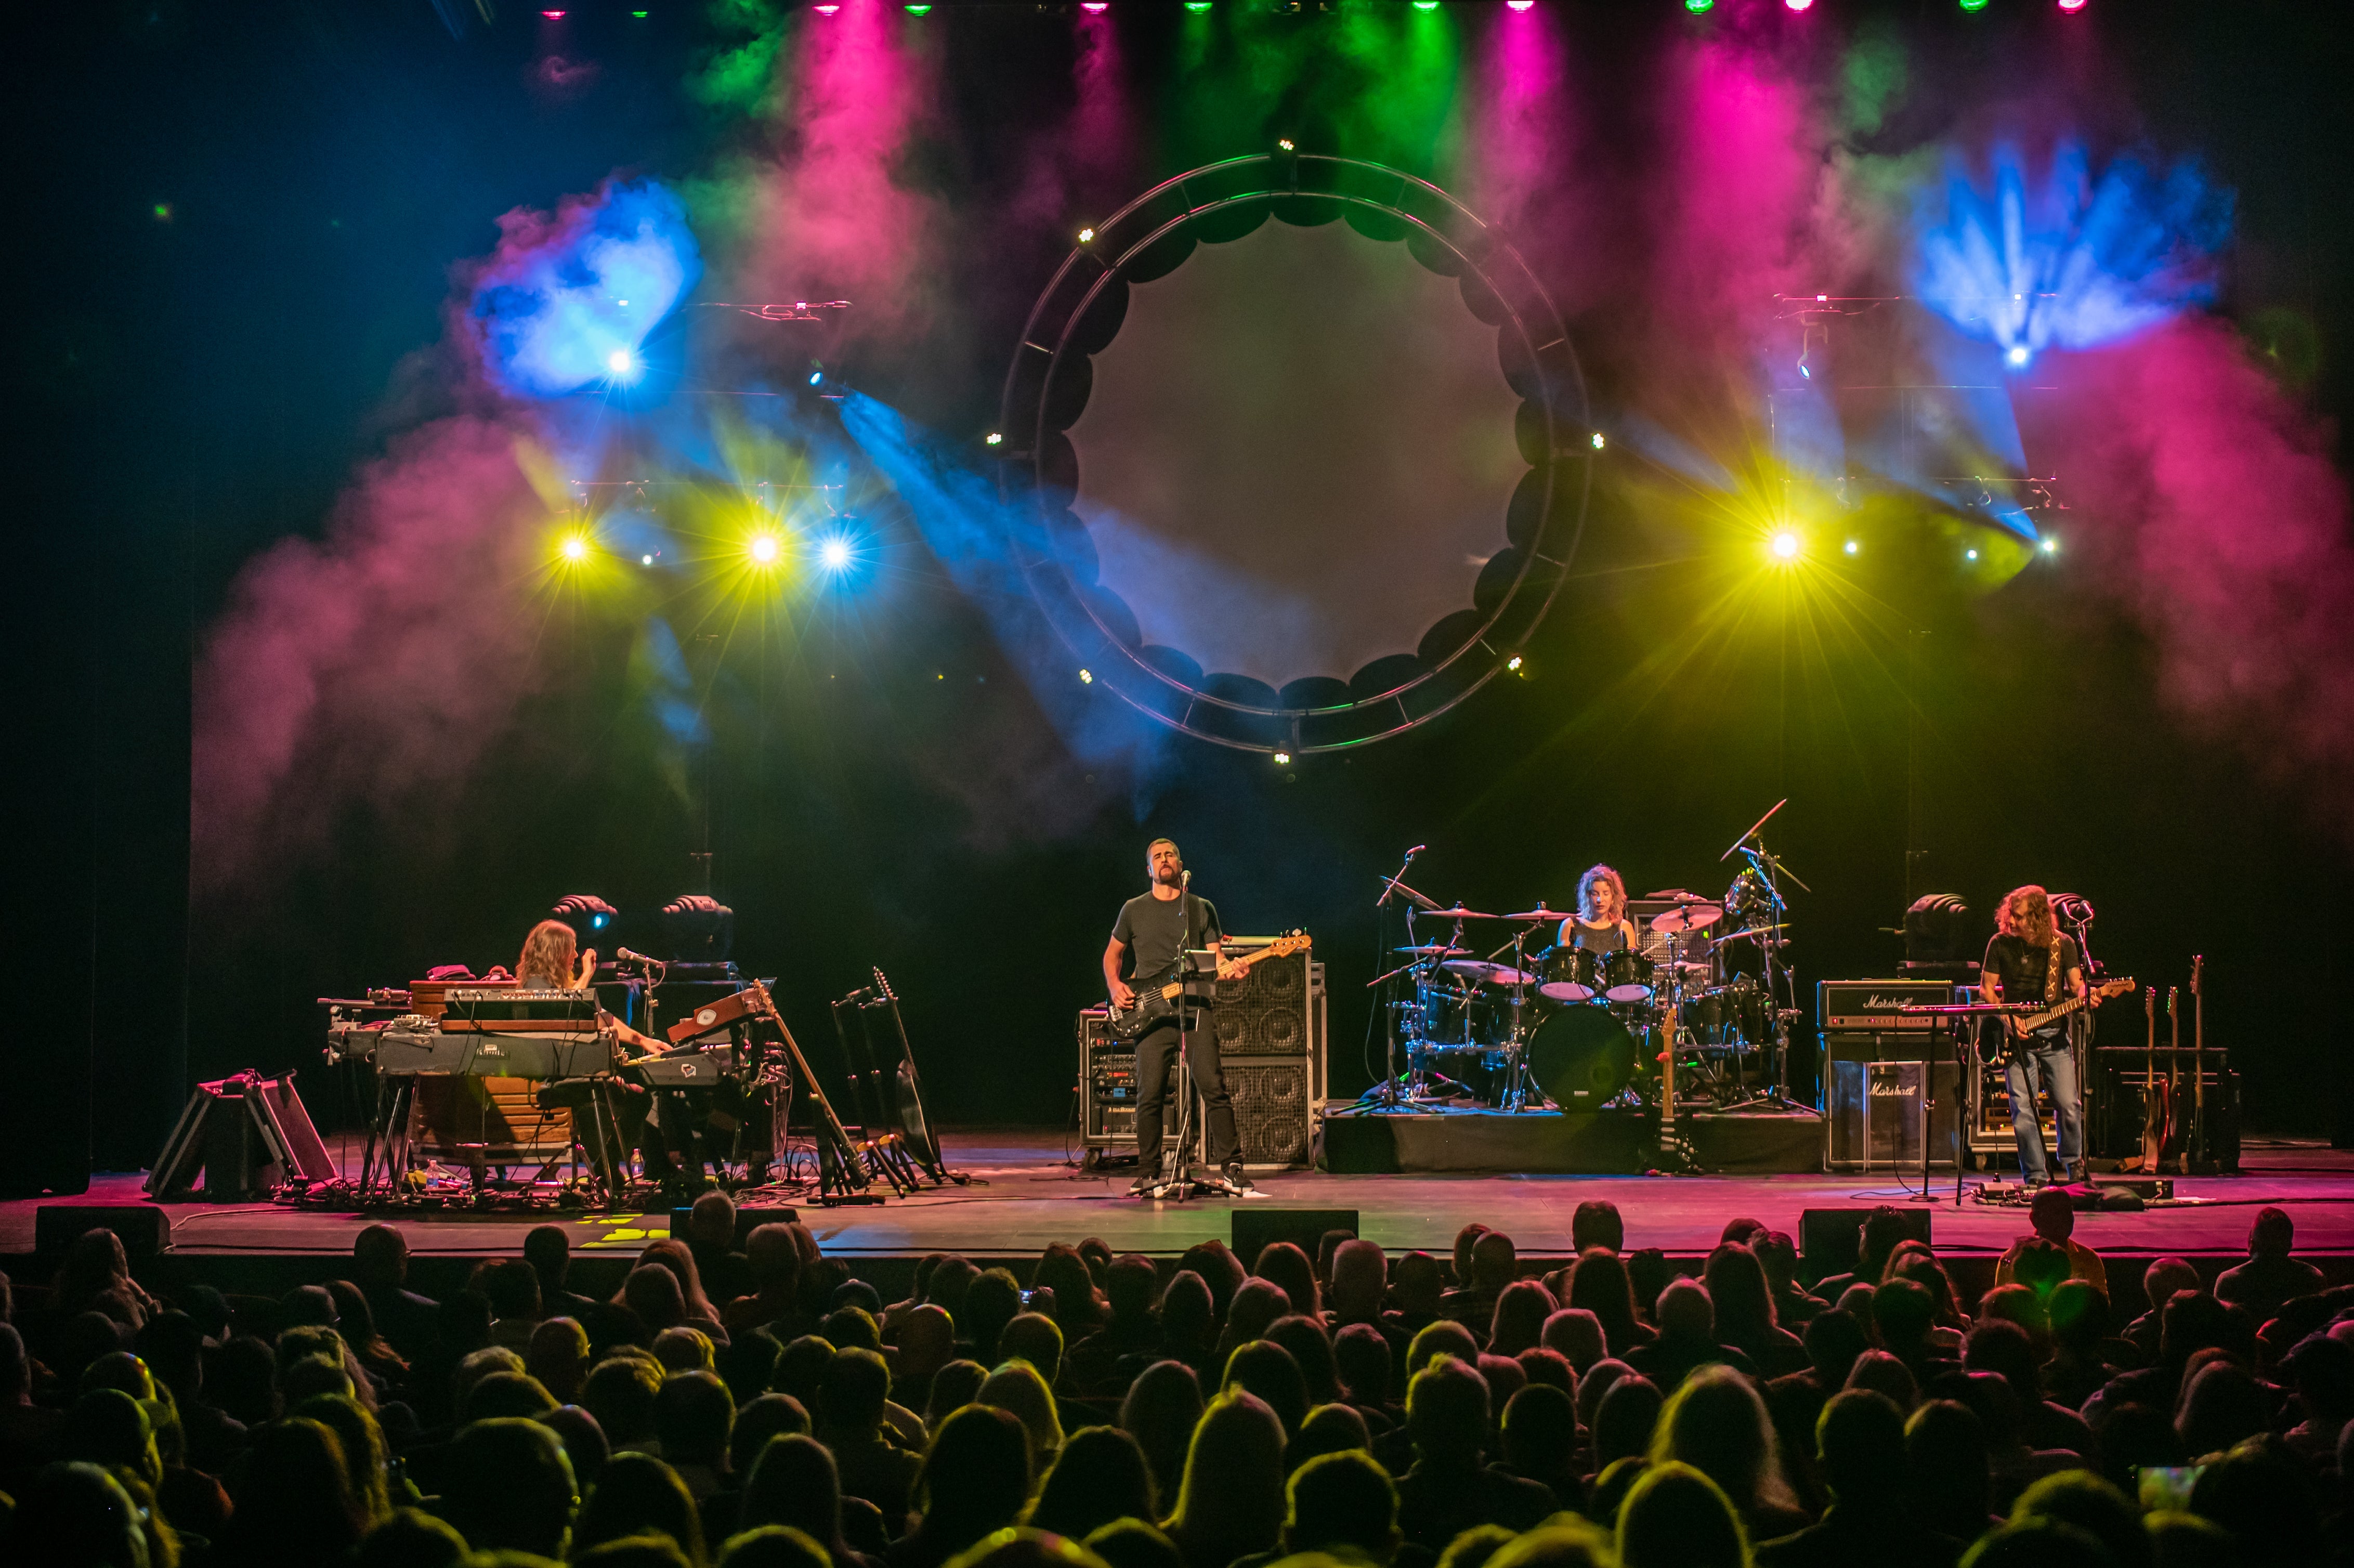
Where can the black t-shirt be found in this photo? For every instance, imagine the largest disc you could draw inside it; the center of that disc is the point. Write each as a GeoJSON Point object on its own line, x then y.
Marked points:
{"type": "Point", "coordinates": [1153, 930]}
{"type": "Point", "coordinates": [2021, 967]}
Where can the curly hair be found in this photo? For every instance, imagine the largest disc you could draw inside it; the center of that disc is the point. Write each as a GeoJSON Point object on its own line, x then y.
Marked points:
{"type": "Point", "coordinates": [1585, 885]}
{"type": "Point", "coordinates": [550, 957]}
{"type": "Point", "coordinates": [2032, 925]}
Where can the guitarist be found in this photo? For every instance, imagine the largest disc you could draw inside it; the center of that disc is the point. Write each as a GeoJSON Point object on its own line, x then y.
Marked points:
{"type": "Point", "coordinates": [2031, 961]}
{"type": "Point", "coordinates": [1150, 939]}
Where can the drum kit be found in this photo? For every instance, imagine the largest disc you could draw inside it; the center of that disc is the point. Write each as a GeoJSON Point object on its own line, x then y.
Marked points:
{"type": "Point", "coordinates": [1541, 1022]}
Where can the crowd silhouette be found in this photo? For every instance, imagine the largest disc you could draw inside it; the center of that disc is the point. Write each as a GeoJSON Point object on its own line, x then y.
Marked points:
{"type": "Point", "coordinates": [763, 1406]}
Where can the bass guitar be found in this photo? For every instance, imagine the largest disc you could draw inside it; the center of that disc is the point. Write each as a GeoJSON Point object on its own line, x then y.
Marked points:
{"type": "Point", "coordinates": [1156, 999]}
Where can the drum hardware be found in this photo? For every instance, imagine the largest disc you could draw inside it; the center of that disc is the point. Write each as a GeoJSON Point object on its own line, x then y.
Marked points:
{"type": "Point", "coordinates": [1569, 974]}
{"type": "Point", "coordinates": [1539, 915]}
{"type": "Point", "coordinates": [1480, 971]}
{"type": "Point", "coordinates": [1432, 949]}
{"type": "Point", "coordinates": [1755, 899]}
{"type": "Point", "coordinates": [1689, 915]}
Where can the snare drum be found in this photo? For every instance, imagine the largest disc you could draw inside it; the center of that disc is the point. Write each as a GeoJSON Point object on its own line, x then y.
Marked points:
{"type": "Point", "coordinates": [1569, 974]}
{"type": "Point", "coordinates": [1627, 976]}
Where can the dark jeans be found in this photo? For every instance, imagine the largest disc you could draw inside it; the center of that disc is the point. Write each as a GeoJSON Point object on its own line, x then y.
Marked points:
{"type": "Point", "coordinates": [1156, 1054]}
{"type": "Point", "coordinates": [2052, 1069]}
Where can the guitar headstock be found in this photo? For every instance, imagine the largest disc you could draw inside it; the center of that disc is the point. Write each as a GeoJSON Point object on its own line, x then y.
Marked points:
{"type": "Point", "coordinates": [2118, 987]}
{"type": "Point", "coordinates": [884, 987]}
{"type": "Point", "coordinates": [1291, 941]}
{"type": "Point", "coordinates": [2197, 963]}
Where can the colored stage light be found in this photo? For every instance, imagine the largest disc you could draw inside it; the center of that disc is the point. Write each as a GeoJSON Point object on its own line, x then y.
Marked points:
{"type": "Point", "coordinates": [1283, 759]}
{"type": "Point", "coordinates": [919, 10]}
{"type": "Point", "coordinates": [1094, 7]}
{"type": "Point", "coordinates": [2049, 545]}
{"type": "Point", "coordinates": [1969, 554]}
{"type": "Point", "coordinates": [1785, 546]}
{"type": "Point", "coordinates": [993, 439]}
{"type": "Point", "coordinates": [1286, 144]}
{"type": "Point", "coordinates": [1850, 546]}
{"type": "Point", "coordinates": [552, 16]}
{"type": "Point", "coordinates": [1197, 6]}
{"type": "Point", "coordinates": [2072, 6]}
{"type": "Point", "coordinates": [1087, 677]}
{"type": "Point", "coordinates": [576, 548]}
{"type": "Point", "coordinates": [2016, 356]}
{"type": "Point", "coordinates": [816, 377]}
{"type": "Point", "coordinates": [1799, 4]}
{"type": "Point", "coordinates": [1697, 6]}
{"type": "Point", "coordinates": [1515, 664]}
{"type": "Point", "coordinates": [825, 10]}
{"type": "Point", "coordinates": [834, 554]}
{"type": "Point", "coordinates": [622, 363]}
{"type": "Point", "coordinates": [1519, 5]}
{"type": "Point", "coordinates": [1974, 4]}
{"type": "Point", "coordinates": [1597, 441]}
{"type": "Point", "coordinates": [1419, 6]}
{"type": "Point", "coordinates": [646, 560]}
{"type": "Point", "coordinates": [764, 549]}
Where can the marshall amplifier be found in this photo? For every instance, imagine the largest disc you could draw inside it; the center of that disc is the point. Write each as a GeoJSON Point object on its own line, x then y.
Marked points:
{"type": "Point", "coordinates": [1868, 1005]}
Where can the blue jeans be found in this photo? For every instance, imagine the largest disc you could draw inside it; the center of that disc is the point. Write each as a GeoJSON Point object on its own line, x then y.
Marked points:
{"type": "Point", "coordinates": [2048, 1064]}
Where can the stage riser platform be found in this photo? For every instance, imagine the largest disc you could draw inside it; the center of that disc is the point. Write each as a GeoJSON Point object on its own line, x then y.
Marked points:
{"type": "Point", "coordinates": [1551, 1143]}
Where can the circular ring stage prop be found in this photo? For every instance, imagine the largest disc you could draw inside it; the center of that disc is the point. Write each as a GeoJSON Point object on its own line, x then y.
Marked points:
{"type": "Point", "coordinates": [1361, 535]}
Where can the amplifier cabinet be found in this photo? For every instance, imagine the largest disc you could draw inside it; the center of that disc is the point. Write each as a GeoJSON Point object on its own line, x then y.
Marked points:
{"type": "Point", "coordinates": [1271, 1032]}
{"type": "Point", "coordinates": [1864, 1005]}
{"type": "Point", "coordinates": [1873, 1115]}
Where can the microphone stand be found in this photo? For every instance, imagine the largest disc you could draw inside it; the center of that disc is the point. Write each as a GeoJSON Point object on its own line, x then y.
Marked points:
{"type": "Point", "coordinates": [1389, 1097]}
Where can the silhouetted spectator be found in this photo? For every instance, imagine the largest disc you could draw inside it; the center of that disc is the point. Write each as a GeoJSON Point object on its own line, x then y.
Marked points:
{"type": "Point", "coordinates": [1285, 1265]}
{"type": "Point", "coordinates": [1130, 1325]}
{"type": "Point", "coordinates": [557, 1357]}
{"type": "Point", "coordinates": [1880, 1234]}
{"type": "Point", "coordinates": [711, 1238]}
{"type": "Point", "coordinates": [954, 1386]}
{"type": "Point", "coordinates": [1744, 1312]}
{"type": "Point", "coordinates": [1716, 1422]}
{"type": "Point", "coordinates": [1448, 1488]}
{"type": "Point", "coordinates": [1860, 1449]}
{"type": "Point", "coordinates": [1686, 1339]}
{"type": "Point", "coordinates": [773, 1255]}
{"type": "Point", "coordinates": [295, 1503]}
{"type": "Point", "coordinates": [77, 1514]}
{"type": "Point", "coordinates": [1342, 1504]}
{"type": "Point", "coordinates": [975, 1479]}
{"type": "Point", "coordinates": [1596, 1222]}
{"type": "Point", "coordinates": [1099, 1476]}
{"type": "Point", "coordinates": [512, 1287]}
{"type": "Point", "coordinates": [2053, 1217]}
{"type": "Point", "coordinates": [1540, 1434]}
{"type": "Point", "coordinates": [639, 1494]}
{"type": "Point", "coordinates": [2159, 1281]}
{"type": "Point", "coordinates": [2270, 1277]}
{"type": "Point", "coordinates": [793, 1482]}
{"type": "Point", "coordinates": [1577, 1334]}
{"type": "Point", "coordinates": [1134, 1544]}
{"type": "Point", "coordinates": [1265, 1369]}
{"type": "Point", "coordinates": [619, 1392]}
{"type": "Point", "coordinates": [1946, 1457]}
{"type": "Point", "coordinates": [1793, 1306]}
{"type": "Point", "coordinates": [410, 1537]}
{"type": "Point", "coordinates": [1016, 1387]}
{"type": "Point", "coordinates": [1599, 1284]}
{"type": "Point", "coordinates": [2005, 1349]}
{"type": "Point", "coordinates": [510, 1488]}
{"type": "Point", "coordinates": [1675, 1516]}
{"type": "Point", "coordinates": [1230, 1503]}
{"type": "Point", "coordinates": [380, 1259]}
{"type": "Point", "coordinates": [2256, 1492]}
{"type": "Point", "coordinates": [1161, 1411]}
{"type": "Point", "coordinates": [1522, 1308]}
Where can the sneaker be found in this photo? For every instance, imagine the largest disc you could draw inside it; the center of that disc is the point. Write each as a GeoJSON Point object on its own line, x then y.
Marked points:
{"type": "Point", "coordinates": [1145, 1187]}
{"type": "Point", "coordinates": [1236, 1180]}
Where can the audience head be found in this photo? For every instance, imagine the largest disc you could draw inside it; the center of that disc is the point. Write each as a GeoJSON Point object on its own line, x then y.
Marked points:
{"type": "Point", "coordinates": [510, 1488]}
{"type": "Point", "coordinates": [1717, 1424]}
{"type": "Point", "coordinates": [2164, 1277]}
{"type": "Point", "coordinates": [1883, 1374]}
{"type": "Point", "coordinates": [1099, 1476]}
{"type": "Point", "coordinates": [410, 1537]}
{"type": "Point", "coordinates": [793, 1481]}
{"type": "Point", "coordinates": [975, 1478]}
{"type": "Point", "coordinates": [620, 1392]}
{"type": "Point", "coordinates": [1522, 1308]}
{"type": "Point", "coordinates": [1686, 1314]}
{"type": "Point", "coordinates": [380, 1257]}
{"type": "Point", "coordinates": [1232, 1490]}
{"type": "Point", "coordinates": [1161, 1410]}
{"type": "Point", "coordinates": [1285, 1265]}
{"type": "Point", "coordinates": [76, 1512]}
{"type": "Point", "coordinates": [2271, 1234]}
{"type": "Point", "coordinates": [1945, 1456]}
{"type": "Point", "coordinates": [1596, 1224]}
{"type": "Point", "coordinates": [1417, 1284]}
{"type": "Point", "coordinates": [954, 1386]}
{"type": "Point", "coordinates": [1310, 1349]}
{"type": "Point", "coordinates": [694, 1412]}
{"type": "Point", "coordinates": [1034, 1338]}
{"type": "Point", "coordinates": [1860, 1445]}
{"type": "Point", "coordinates": [853, 1392]}
{"type": "Point", "coordinates": [1447, 1413]}
{"type": "Point", "coordinates": [1577, 1334]}
{"type": "Point", "coordinates": [1541, 1432]}
{"type": "Point", "coordinates": [1676, 1517]}
{"type": "Point", "coordinates": [1441, 1338]}
{"type": "Point", "coordinates": [1016, 1387]}
{"type": "Point", "coordinates": [1341, 1500]}
{"type": "Point", "coordinates": [638, 1495]}
{"type": "Point", "coordinates": [1359, 1280]}
{"type": "Point", "coordinates": [1265, 1369]}
{"type": "Point", "coordinates": [294, 1502]}
{"type": "Point", "coordinates": [1135, 1543]}
{"type": "Point", "coordinates": [2259, 1494]}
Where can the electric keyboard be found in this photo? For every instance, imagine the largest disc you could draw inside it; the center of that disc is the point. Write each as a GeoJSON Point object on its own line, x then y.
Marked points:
{"type": "Point", "coordinates": [496, 1054]}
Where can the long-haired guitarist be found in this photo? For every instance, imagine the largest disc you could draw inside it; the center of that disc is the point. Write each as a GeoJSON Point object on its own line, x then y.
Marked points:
{"type": "Point", "coordinates": [1150, 941]}
{"type": "Point", "coordinates": [2030, 960]}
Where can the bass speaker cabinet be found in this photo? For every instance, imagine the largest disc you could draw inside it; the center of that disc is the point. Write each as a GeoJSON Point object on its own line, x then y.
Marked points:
{"type": "Point", "coordinates": [1270, 1026]}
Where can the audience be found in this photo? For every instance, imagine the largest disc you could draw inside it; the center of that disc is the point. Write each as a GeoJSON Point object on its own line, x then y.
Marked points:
{"type": "Point", "coordinates": [761, 1404]}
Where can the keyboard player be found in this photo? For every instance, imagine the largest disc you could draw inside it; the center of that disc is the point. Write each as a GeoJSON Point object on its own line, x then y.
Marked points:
{"type": "Point", "coordinates": [668, 1141]}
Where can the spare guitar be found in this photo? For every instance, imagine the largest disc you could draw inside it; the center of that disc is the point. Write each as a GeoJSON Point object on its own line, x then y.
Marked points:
{"type": "Point", "coordinates": [1156, 998]}
{"type": "Point", "coordinates": [2154, 1096]}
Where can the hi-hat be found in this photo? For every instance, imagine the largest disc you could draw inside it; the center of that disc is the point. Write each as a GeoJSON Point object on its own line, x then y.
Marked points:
{"type": "Point", "coordinates": [1539, 913]}
{"type": "Point", "coordinates": [1688, 917]}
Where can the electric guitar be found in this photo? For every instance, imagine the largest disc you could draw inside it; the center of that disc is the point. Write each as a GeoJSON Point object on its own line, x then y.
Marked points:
{"type": "Point", "coordinates": [1156, 999]}
{"type": "Point", "coordinates": [2023, 1025]}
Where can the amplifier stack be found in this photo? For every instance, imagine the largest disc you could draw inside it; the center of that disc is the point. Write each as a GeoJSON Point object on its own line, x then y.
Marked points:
{"type": "Point", "coordinates": [1269, 1027]}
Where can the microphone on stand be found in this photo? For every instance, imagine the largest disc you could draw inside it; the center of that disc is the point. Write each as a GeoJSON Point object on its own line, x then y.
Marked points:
{"type": "Point", "coordinates": [625, 956]}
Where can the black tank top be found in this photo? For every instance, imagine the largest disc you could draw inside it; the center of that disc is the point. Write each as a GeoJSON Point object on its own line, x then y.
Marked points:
{"type": "Point", "coordinates": [1607, 939]}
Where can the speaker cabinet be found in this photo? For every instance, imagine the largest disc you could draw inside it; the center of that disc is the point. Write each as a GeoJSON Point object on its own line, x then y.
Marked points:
{"type": "Point", "coordinates": [1873, 1118]}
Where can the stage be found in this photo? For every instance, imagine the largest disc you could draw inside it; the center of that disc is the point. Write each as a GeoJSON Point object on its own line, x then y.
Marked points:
{"type": "Point", "coordinates": [1024, 1196]}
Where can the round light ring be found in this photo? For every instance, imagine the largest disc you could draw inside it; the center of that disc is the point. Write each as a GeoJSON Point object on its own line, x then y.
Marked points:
{"type": "Point", "coordinates": [1078, 313]}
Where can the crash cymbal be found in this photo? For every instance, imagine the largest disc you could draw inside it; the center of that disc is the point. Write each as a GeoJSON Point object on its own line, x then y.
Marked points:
{"type": "Point", "coordinates": [1434, 950]}
{"type": "Point", "coordinates": [1539, 913]}
{"type": "Point", "coordinates": [1458, 913]}
{"type": "Point", "coordinates": [1688, 917]}
{"type": "Point", "coordinates": [1487, 973]}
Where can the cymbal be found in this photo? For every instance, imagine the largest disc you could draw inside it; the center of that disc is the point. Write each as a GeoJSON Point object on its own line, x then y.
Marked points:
{"type": "Point", "coordinates": [1487, 973]}
{"type": "Point", "coordinates": [1458, 913]}
{"type": "Point", "coordinates": [1434, 950]}
{"type": "Point", "coordinates": [1539, 913]}
{"type": "Point", "coordinates": [1688, 917]}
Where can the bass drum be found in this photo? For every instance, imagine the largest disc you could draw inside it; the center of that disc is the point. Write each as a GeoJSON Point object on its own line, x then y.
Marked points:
{"type": "Point", "coordinates": [1582, 1057]}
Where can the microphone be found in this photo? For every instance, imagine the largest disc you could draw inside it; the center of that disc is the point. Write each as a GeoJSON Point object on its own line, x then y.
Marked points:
{"type": "Point", "coordinates": [625, 956]}
{"type": "Point", "coordinates": [1187, 876]}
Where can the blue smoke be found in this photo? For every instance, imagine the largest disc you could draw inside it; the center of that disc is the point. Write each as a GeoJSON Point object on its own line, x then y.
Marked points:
{"type": "Point", "coordinates": [566, 300]}
{"type": "Point", "coordinates": [2076, 262]}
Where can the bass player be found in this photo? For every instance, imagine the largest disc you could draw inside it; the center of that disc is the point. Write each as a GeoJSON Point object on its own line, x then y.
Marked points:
{"type": "Point", "coordinates": [2031, 961]}
{"type": "Point", "coordinates": [1150, 940]}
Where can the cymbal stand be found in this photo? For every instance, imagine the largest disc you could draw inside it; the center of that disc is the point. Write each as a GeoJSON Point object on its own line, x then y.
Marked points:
{"type": "Point", "coordinates": [1778, 975]}
{"type": "Point", "coordinates": [1390, 1095]}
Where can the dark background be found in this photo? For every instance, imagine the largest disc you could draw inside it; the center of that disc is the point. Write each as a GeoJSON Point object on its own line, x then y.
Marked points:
{"type": "Point", "coordinates": [889, 791]}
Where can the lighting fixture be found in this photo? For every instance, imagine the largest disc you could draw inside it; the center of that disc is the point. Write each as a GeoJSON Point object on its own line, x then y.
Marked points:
{"type": "Point", "coordinates": [993, 439]}
{"type": "Point", "coordinates": [1785, 546]}
{"type": "Point", "coordinates": [1283, 759]}
{"type": "Point", "coordinates": [764, 549]}
{"type": "Point", "coordinates": [1597, 441]}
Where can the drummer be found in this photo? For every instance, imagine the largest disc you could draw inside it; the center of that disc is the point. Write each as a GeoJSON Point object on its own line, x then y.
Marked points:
{"type": "Point", "coordinates": [1600, 924]}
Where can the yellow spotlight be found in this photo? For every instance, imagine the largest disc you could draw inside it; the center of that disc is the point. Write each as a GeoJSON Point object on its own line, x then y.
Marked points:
{"type": "Point", "coordinates": [1786, 546]}
{"type": "Point", "coordinates": [576, 548]}
{"type": "Point", "coordinates": [1852, 547]}
{"type": "Point", "coordinates": [765, 548]}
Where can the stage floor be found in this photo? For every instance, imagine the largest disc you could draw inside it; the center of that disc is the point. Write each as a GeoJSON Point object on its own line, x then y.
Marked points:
{"type": "Point", "coordinates": [1025, 1196]}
